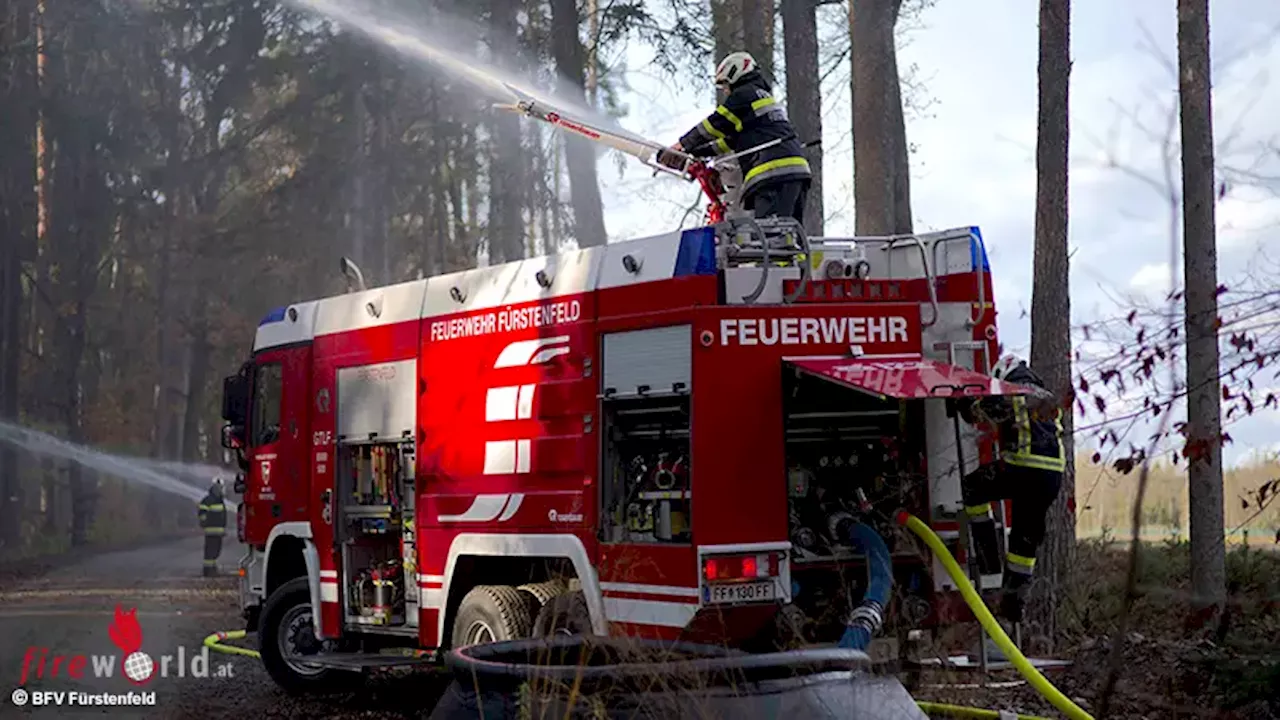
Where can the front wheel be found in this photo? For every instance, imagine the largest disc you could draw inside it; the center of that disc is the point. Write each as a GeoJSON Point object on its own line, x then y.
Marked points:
{"type": "Point", "coordinates": [286, 635]}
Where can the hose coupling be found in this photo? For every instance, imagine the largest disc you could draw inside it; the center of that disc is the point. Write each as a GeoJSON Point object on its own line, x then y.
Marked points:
{"type": "Point", "coordinates": [869, 615]}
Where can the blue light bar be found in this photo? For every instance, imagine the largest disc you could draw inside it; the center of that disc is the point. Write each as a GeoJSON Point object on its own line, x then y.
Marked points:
{"type": "Point", "coordinates": [274, 316]}
{"type": "Point", "coordinates": [977, 251]}
{"type": "Point", "coordinates": [697, 254]}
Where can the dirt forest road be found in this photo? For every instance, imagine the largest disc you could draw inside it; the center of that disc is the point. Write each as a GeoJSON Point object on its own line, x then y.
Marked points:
{"type": "Point", "coordinates": [65, 614]}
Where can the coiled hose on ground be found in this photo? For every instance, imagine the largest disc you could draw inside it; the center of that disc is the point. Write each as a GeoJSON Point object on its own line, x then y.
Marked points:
{"type": "Point", "coordinates": [960, 711]}
{"type": "Point", "coordinates": [869, 615]}
{"type": "Point", "coordinates": [215, 642]}
{"type": "Point", "coordinates": [988, 621]}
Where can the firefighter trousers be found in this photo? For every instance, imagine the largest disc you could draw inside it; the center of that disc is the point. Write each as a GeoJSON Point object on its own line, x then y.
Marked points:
{"type": "Point", "coordinates": [212, 549]}
{"type": "Point", "coordinates": [783, 198]}
{"type": "Point", "coordinates": [1032, 491]}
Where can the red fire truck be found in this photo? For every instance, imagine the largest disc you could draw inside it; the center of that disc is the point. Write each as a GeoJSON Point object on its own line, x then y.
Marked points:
{"type": "Point", "coordinates": [647, 438]}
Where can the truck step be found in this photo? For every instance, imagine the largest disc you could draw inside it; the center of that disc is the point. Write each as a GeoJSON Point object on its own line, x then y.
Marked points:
{"type": "Point", "coordinates": [369, 661]}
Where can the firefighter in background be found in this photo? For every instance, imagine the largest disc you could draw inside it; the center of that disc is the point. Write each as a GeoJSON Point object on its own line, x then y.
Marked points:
{"type": "Point", "coordinates": [213, 519]}
{"type": "Point", "coordinates": [775, 180]}
{"type": "Point", "coordinates": [1028, 472]}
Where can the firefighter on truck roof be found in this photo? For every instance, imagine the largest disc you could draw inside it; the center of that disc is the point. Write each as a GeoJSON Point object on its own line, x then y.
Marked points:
{"type": "Point", "coordinates": [213, 519]}
{"type": "Point", "coordinates": [775, 179]}
{"type": "Point", "coordinates": [1028, 472]}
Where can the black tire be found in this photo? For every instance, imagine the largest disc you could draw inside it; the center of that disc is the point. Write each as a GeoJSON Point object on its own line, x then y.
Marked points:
{"type": "Point", "coordinates": [284, 617]}
{"type": "Point", "coordinates": [544, 591]}
{"type": "Point", "coordinates": [493, 613]}
{"type": "Point", "coordinates": [565, 614]}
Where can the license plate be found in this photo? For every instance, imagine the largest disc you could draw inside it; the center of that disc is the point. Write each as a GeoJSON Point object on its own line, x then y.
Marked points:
{"type": "Point", "coordinates": [740, 592]}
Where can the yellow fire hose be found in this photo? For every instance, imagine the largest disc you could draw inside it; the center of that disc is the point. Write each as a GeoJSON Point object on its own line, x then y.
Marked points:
{"type": "Point", "coordinates": [214, 642]}
{"type": "Point", "coordinates": [988, 621]}
{"type": "Point", "coordinates": [961, 711]}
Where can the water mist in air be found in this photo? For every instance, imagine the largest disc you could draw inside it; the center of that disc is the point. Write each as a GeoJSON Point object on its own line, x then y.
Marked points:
{"type": "Point", "coordinates": [432, 46]}
{"type": "Point", "coordinates": [188, 480]}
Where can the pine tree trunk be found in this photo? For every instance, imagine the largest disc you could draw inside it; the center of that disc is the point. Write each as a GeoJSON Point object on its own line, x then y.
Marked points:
{"type": "Point", "coordinates": [357, 210]}
{"type": "Point", "coordinates": [19, 95]}
{"type": "Point", "coordinates": [727, 30]}
{"type": "Point", "coordinates": [197, 385]}
{"type": "Point", "coordinates": [881, 180]}
{"type": "Point", "coordinates": [579, 155]}
{"type": "Point", "coordinates": [804, 96]}
{"type": "Point", "coordinates": [506, 191]}
{"type": "Point", "coordinates": [1204, 409]}
{"type": "Point", "coordinates": [759, 20]}
{"type": "Point", "coordinates": [744, 25]}
{"type": "Point", "coordinates": [1051, 296]}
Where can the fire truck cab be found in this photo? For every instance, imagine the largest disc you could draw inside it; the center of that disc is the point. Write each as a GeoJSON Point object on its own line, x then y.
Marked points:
{"type": "Point", "coordinates": [648, 438]}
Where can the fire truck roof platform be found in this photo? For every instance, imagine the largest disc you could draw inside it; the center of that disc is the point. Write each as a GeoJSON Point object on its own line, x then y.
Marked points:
{"type": "Point", "coordinates": [618, 265]}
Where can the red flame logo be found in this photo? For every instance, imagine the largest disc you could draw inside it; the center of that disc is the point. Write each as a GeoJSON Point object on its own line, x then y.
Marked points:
{"type": "Point", "coordinates": [126, 634]}
{"type": "Point", "coordinates": [125, 631]}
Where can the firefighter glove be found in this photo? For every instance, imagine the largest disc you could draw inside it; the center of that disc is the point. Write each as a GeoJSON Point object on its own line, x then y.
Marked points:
{"type": "Point", "coordinates": [671, 159]}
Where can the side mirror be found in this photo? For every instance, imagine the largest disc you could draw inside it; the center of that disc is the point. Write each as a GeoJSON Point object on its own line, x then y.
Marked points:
{"type": "Point", "coordinates": [235, 399]}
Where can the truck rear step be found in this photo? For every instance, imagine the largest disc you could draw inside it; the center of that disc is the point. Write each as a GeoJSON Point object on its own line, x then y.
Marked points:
{"type": "Point", "coordinates": [370, 661]}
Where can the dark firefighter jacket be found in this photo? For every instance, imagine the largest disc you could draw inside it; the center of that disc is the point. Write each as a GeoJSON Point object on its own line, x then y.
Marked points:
{"type": "Point", "coordinates": [1029, 428]}
{"type": "Point", "coordinates": [213, 515]}
{"type": "Point", "coordinates": [749, 117]}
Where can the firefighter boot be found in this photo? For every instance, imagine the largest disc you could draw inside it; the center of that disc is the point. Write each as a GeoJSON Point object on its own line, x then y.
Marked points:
{"type": "Point", "coordinates": [1013, 596]}
{"type": "Point", "coordinates": [1013, 599]}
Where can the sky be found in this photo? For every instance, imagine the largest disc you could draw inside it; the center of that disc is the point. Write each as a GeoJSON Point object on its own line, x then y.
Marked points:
{"type": "Point", "coordinates": [974, 163]}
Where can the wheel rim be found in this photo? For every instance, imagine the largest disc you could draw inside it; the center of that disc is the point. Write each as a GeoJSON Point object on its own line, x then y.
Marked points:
{"type": "Point", "coordinates": [298, 639]}
{"type": "Point", "coordinates": [479, 632]}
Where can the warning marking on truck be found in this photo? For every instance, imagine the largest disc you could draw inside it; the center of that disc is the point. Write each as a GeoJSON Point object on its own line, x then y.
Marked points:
{"type": "Point", "coordinates": [508, 319]}
{"type": "Point", "coordinates": [813, 331]}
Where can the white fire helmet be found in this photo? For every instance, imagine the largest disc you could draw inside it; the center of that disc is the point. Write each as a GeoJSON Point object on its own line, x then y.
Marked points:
{"type": "Point", "coordinates": [1004, 366]}
{"type": "Point", "coordinates": [733, 66]}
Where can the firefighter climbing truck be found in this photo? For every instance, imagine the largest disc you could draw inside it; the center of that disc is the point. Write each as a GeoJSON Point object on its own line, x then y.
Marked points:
{"type": "Point", "coordinates": [654, 438]}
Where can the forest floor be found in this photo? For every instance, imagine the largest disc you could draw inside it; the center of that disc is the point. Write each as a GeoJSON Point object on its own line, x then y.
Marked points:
{"type": "Point", "coordinates": [1173, 664]}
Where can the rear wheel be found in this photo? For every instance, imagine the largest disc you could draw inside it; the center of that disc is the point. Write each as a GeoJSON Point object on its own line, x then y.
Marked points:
{"type": "Point", "coordinates": [545, 591]}
{"type": "Point", "coordinates": [493, 613]}
{"type": "Point", "coordinates": [286, 636]}
{"type": "Point", "coordinates": [565, 614]}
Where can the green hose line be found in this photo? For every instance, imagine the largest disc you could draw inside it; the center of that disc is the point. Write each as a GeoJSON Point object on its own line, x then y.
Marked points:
{"type": "Point", "coordinates": [962, 711]}
{"type": "Point", "coordinates": [997, 633]}
{"type": "Point", "coordinates": [214, 642]}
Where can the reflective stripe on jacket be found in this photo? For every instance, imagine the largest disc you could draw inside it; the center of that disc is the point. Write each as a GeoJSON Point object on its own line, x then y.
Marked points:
{"type": "Point", "coordinates": [213, 515]}
{"type": "Point", "coordinates": [1039, 442]}
{"type": "Point", "coordinates": [748, 117]}
{"type": "Point", "coordinates": [1027, 440]}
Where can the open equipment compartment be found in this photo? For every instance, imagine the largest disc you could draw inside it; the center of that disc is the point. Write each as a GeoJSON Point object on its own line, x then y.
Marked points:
{"type": "Point", "coordinates": [848, 455]}
{"type": "Point", "coordinates": [647, 491]}
{"type": "Point", "coordinates": [376, 533]}
{"type": "Point", "coordinates": [846, 452]}
{"type": "Point", "coordinates": [645, 455]}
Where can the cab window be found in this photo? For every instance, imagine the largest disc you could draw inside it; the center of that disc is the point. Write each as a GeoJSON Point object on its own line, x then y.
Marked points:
{"type": "Point", "coordinates": [268, 388]}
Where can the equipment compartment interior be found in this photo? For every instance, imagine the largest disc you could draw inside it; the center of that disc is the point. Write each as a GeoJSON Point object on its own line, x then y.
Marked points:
{"type": "Point", "coordinates": [847, 453]}
{"type": "Point", "coordinates": [647, 494]}
{"type": "Point", "coordinates": [375, 491]}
